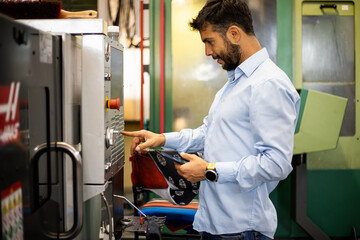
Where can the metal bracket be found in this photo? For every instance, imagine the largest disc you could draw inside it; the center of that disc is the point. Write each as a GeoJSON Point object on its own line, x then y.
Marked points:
{"type": "Point", "coordinates": [299, 195]}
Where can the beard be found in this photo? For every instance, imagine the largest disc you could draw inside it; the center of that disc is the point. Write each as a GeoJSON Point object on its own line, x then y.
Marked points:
{"type": "Point", "coordinates": [231, 56]}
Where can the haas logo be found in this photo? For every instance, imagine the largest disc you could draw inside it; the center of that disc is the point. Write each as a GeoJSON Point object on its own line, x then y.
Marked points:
{"type": "Point", "coordinates": [9, 113]}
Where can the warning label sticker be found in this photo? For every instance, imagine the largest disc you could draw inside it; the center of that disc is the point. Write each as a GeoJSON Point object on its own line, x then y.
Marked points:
{"type": "Point", "coordinates": [12, 213]}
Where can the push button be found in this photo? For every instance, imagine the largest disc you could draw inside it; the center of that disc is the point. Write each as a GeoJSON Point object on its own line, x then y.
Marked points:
{"type": "Point", "coordinates": [107, 77]}
{"type": "Point", "coordinates": [114, 104]}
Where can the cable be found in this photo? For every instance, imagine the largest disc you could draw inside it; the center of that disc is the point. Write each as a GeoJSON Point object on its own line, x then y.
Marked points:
{"type": "Point", "coordinates": [127, 200]}
{"type": "Point", "coordinates": [109, 214]}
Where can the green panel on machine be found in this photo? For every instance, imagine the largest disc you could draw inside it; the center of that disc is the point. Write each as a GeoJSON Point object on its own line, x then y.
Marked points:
{"type": "Point", "coordinates": [320, 119]}
{"type": "Point", "coordinates": [333, 176]}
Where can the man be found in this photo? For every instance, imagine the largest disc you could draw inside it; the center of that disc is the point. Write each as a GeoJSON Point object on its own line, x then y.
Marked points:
{"type": "Point", "coordinates": [247, 137]}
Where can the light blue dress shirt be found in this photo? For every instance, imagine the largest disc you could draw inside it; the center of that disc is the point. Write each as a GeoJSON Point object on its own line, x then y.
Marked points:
{"type": "Point", "coordinates": [249, 134]}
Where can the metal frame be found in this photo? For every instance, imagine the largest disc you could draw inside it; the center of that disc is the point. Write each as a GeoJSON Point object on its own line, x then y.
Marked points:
{"type": "Point", "coordinates": [299, 195]}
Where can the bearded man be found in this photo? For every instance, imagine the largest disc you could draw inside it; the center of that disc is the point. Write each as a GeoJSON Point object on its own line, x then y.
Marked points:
{"type": "Point", "coordinates": [248, 136]}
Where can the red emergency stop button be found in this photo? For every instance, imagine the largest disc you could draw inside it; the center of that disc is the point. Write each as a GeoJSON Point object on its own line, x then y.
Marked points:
{"type": "Point", "coordinates": [114, 103]}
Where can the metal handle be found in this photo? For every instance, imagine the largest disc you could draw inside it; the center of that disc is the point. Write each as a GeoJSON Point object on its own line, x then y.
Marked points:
{"type": "Point", "coordinates": [322, 6]}
{"type": "Point", "coordinates": [77, 188]}
{"type": "Point", "coordinates": [131, 204]}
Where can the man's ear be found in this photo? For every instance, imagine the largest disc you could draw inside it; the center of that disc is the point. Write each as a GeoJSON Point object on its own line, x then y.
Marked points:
{"type": "Point", "coordinates": [234, 34]}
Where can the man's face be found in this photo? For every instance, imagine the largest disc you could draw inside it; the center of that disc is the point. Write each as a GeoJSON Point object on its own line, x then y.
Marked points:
{"type": "Point", "coordinates": [220, 48]}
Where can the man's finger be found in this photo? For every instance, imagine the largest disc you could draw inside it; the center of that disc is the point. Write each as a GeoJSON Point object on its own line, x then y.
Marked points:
{"type": "Point", "coordinates": [187, 156]}
{"type": "Point", "coordinates": [177, 165]}
{"type": "Point", "coordinates": [132, 134]}
{"type": "Point", "coordinates": [133, 146]}
{"type": "Point", "coordinates": [142, 146]}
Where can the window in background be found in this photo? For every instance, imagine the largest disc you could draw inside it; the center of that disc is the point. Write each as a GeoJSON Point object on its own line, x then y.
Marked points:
{"type": "Point", "coordinates": [328, 54]}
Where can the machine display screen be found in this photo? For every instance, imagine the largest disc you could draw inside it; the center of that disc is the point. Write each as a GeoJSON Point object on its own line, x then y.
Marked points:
{"type": "Point", "coordinates": [117, 78]}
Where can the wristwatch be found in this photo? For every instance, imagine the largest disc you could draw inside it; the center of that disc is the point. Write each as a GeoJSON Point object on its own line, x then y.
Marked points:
{"type": "Point", "coordinates": [210, 173]}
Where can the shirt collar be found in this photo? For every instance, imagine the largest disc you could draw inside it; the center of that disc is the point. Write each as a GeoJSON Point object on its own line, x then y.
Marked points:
{"type": "Point", "coordinates": [249, 65]}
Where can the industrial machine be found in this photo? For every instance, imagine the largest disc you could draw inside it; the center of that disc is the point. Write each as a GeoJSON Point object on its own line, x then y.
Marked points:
{"type": "Point", "coordinates": [64, 81]}
{"type": "Point", "coordinates": [326, 55]}
{"type": "Point", "coordinates": [31, 83]}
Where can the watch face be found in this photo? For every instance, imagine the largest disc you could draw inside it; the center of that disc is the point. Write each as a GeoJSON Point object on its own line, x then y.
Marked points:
{"type": "Point", "coordinates": [211, 175]}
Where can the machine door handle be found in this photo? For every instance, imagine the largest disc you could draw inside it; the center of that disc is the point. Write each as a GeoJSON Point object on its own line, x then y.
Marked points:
{"type": "Point", "coordinates": [322, 6]}
{"type": "Point", "coordinates": [77, 184]}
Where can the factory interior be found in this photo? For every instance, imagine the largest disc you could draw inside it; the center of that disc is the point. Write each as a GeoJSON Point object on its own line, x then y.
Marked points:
{"type": "Point", "coordinates": [71, 84]}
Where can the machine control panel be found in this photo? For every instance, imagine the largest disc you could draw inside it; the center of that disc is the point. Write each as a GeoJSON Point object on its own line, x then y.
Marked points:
{"type": "Point", "coordinates": [114, 109]}
{"type": "Point", "coordinates": [102, 108]}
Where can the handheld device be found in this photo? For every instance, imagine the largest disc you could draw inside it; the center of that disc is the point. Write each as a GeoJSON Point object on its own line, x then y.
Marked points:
{"type": "Point", "coordinates": [173, 155]}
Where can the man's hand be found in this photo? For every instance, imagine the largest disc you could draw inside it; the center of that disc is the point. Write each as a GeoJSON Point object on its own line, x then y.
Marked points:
{"type": "Point", "coordinates": [194, 170]}
{"type": "Point", "coordinates": [144, 139]}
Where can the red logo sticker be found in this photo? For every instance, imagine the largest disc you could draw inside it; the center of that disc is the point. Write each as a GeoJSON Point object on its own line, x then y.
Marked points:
{"type": "Point", "coordinates": [9, 113]}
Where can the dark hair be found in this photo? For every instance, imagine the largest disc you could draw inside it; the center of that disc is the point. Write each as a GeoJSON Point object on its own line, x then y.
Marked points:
{"type": "Point", "coordinates": [222, 14]}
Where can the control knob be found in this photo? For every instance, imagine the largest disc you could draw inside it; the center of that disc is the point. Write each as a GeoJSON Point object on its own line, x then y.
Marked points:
{"type": "Point", "coordinates": [110, 135]}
